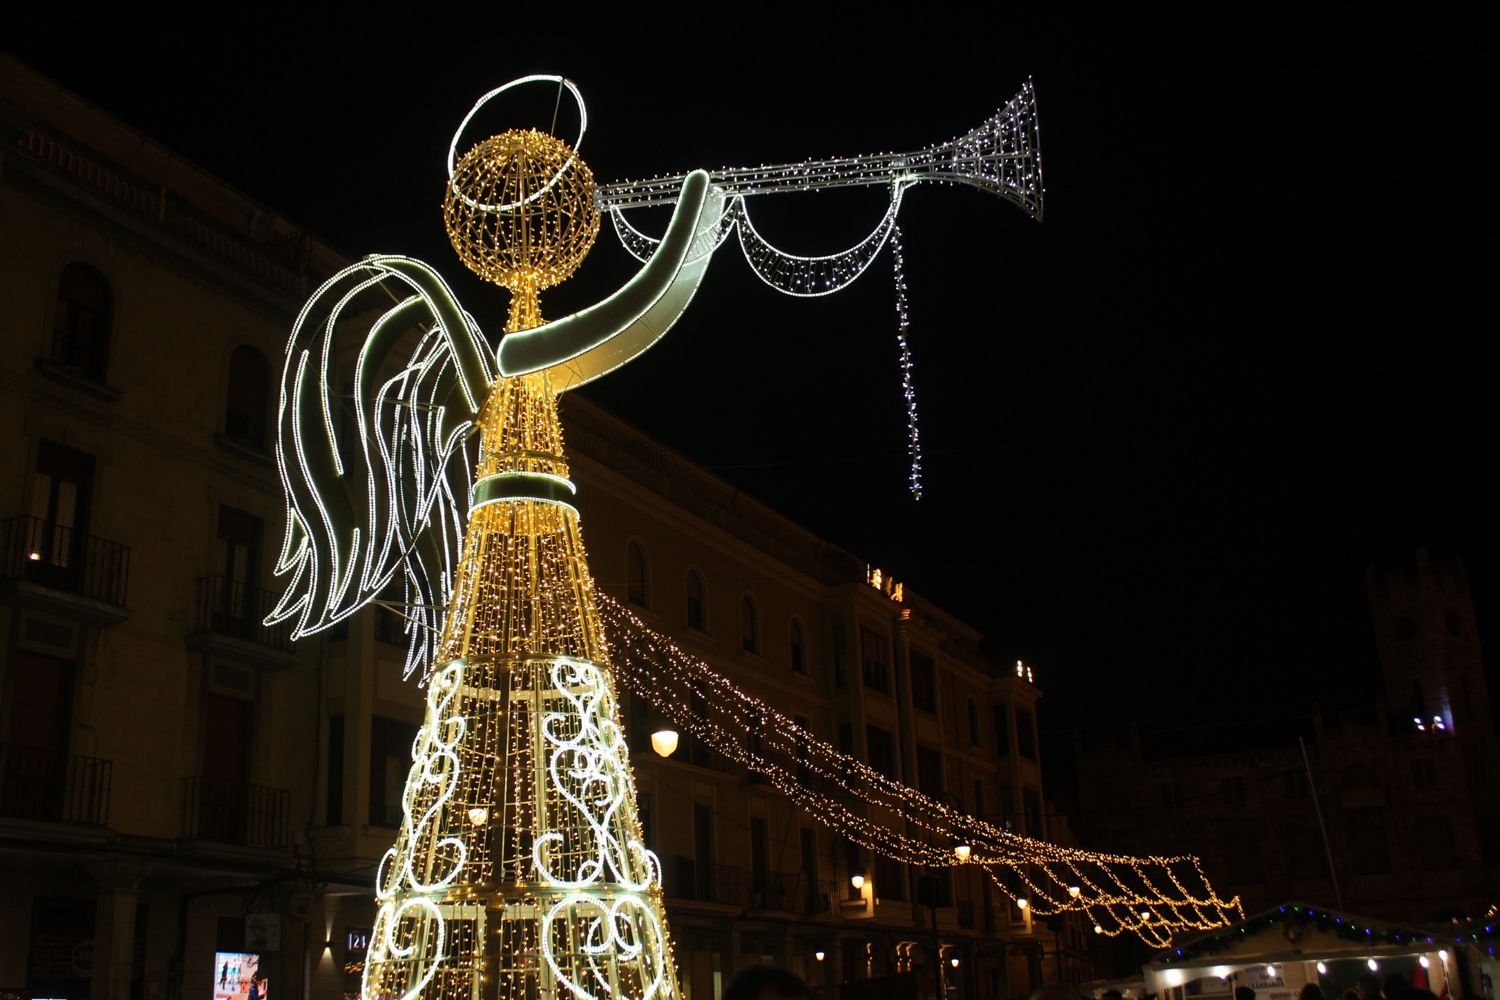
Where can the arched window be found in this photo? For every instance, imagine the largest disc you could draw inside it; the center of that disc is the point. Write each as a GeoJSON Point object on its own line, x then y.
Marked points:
{"type": "Point", "coordinates": [697, 602]}
{"type": "Point", "coordinates": [798, 647]}
{"type": "Point", "coordinates": [1433, 838]}
{"type": "Point", "coordinates": [81, 322]}
{"type": "Point", "coordinates": [637, 576]}
{"type": "Point", "coordinates": [249, 397]}
{"type": "Point", "coordinates": [749, 625]}
{"type": "Point", "coordinates": [973, 723]}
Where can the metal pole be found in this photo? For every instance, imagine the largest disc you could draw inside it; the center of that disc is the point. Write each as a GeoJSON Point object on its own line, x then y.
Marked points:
{"type": "Point", "coordinates": [1323, 827]}
{"type": "Point", "coordinates": [937, 948]}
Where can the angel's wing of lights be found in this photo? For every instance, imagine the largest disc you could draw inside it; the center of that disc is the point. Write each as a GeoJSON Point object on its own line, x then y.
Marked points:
{"type": "Point", "coordinates": [384, 375]}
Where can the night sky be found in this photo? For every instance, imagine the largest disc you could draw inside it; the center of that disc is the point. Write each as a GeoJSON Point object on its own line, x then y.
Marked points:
{"type": "Point", "coordinates": [1164, 429]}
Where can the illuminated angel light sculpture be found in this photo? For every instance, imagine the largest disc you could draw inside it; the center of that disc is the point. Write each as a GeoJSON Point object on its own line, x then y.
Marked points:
{"type": "Point", "coordinates": [519, 869]}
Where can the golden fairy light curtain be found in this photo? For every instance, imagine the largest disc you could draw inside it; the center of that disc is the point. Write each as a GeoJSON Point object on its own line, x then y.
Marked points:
{"type": "Point", "coordinates": [1152, 897]}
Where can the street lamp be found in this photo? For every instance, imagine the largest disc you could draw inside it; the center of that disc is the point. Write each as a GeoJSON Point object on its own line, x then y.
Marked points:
{"type": "Point", "coordinates": [664, 741]}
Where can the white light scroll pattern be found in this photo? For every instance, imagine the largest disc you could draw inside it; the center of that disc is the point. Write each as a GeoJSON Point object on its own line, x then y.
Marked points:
{"type": "Point", "coordinates": [620, 930]}
{"type": "Point", "coordinates": [604, 936]}
{"type": "Point", "coordinates": [588, 763]}
{"type": "Point", "coordinates": [411, 935]}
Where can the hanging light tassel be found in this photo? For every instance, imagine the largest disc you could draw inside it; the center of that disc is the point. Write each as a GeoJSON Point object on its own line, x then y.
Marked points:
{"type": "Point", "coordinates": [908, 390]}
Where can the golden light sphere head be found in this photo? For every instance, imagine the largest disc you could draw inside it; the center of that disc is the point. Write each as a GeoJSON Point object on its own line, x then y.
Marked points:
{"type": "Point", "coordinates": [521, 210]}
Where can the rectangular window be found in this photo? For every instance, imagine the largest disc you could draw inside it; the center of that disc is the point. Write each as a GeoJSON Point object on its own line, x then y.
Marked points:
{"type": "Point", "coordinates": [1423, 773]}
{"type": "Point", "coordinates": [1025, 734]}
{"type": "Point", "coordinates": [760, 850]}
{"type": "Point", "coordinates": [1306, 857]}
{"type": "Point", "coordinates": [929, 771]}
{"type": "Point", "coordinates": [1031, 803]}
{"type": "Point", "coordinates": [235, 610]}
{"type": "Point", "coordinates": [56, 535]}
{"type": "Point", "coordinates": [840, 654]}
{"type": "Point", "coordinates": [390, 760]}
{"type": "Point", "coordinates": [923, 682]}
{"type": "Point", "coordinates": [890, 878]}
{"type": "Point", "coordinates": [1368, 848]}
{"type": "Point", "coordinates": [812, 898]}
{"type": "Point", "coordinates": [875, 660]}
{"type": "Point", "coordinates": [646, 806]}
{"type": "Point", "coordinates": [1002, 730]}
{"type": "Point", "coordinates": [1244, 862]}
{"type": "Point", "coordinates": [1171, 795]}
{"type": "Point", "coordinates": [705, 875]}
{"type": "Point", "coordinates": [881, 747]}
{"type": "Point", "coordinates": [334, 807]}
{"type": "Point", "coordinates": [803, 747]}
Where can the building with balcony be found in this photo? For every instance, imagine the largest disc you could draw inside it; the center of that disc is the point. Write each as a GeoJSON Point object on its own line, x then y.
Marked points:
{"type": "Point", "coordinates": [178, 779]}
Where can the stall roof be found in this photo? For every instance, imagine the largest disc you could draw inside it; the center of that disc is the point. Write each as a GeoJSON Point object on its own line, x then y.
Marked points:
{"type": "Point", "coordinates": [1292, 932]}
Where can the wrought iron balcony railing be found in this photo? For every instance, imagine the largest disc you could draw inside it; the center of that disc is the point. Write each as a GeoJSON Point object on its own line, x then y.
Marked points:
{"type": "Point", "coordinates": [778, 891]}
{"type": "Point", "coordinates": [687, 878]}
{"type": "Point", "coordinates": [234, 812]}
{"type": "Point", "coordinates": [54, 555]}
{"type": "Point", "coordinates": [231, 608]}
{"type": "Point", "coordinates": [41, 784]}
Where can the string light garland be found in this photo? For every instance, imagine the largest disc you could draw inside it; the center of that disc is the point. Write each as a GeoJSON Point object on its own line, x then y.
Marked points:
{"type": "Point", "coordinates": [1334, 922]}
{"type": "Point", "coordinates": [908, 390]}
{"type": "Point", "coordinates": [1002, 156]}
{"type": "Point", "coordinates": [1152, 897]}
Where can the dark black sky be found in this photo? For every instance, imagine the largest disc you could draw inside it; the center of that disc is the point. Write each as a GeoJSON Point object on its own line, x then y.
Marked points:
{"type": "Point", "coordinates": [1164, 429]}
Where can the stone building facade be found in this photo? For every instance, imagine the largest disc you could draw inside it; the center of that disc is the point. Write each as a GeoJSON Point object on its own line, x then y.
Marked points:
{"type": "Point", "coordinates": [1406, 785]}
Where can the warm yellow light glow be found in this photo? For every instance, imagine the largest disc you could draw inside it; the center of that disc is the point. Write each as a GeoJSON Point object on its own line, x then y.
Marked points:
{"type": "Point", "coordinates": [36, 557]}
{"type": "Point", "coordinates": [522, 733]}
{"type": "Point", "coordinates": [547, 228]}
{"type": "Point", "coordinates": [953, 961]}
{"type": "Point", "coordinates": [1098, 929]}
{"type": "Point", "coordinates": [819, 955]}
{"type": "Point", "coordinates": [962, 852]}
{"type": "Point", "coordinates": [1021, 903]}
{"type": "Point", "coordinates": [1442, 955]}
{"type": "Point", "coordinates": [1073, 891]}
{"type": "Point", "coordinates": [858, 881]}
{"type": "Point", "coordinates": [755, 735]}
{"type": "Point", "coordinates": [664, 742]}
